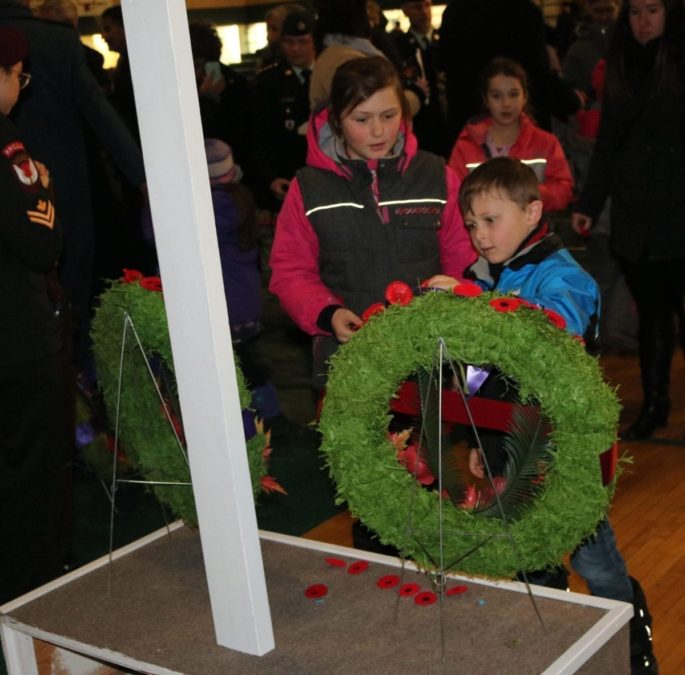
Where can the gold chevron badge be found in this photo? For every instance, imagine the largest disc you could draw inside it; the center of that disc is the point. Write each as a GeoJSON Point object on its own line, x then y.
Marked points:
{"type": "Point", "coordinates": [44, 214]}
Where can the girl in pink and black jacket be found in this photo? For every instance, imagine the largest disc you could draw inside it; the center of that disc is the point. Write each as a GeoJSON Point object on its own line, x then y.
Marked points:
{"type": "Point", "coordinates": [508, 131]}
{"type": "Point", "coordinates": [368, 209]}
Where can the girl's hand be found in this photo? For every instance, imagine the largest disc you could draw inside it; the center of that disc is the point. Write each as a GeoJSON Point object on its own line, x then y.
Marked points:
{"type": "Point", "coordinates": [441, 281]}
{"type": "Point", "coordinates": [345, 323]}
{"type": "Point", "coordinates": [581, 223]}
{"type": "Point", "coordinates": [476, 466]}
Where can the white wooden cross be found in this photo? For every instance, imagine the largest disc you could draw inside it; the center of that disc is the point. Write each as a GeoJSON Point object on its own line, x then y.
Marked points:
{"type": "Point", "coordinates": [178, 184]}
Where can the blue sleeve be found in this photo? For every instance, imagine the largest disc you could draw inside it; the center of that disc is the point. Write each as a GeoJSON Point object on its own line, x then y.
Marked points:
{"type": "Point", "coordinates": [566, 288]}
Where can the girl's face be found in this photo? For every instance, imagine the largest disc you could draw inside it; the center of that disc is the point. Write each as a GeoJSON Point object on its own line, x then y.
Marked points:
{"type": "Point", "coordinates": [505, 99]}
{"type": "Point", "coordinates": [370, 130]}
{"type": "Point", "coordinates": [9, 87]}
{"type": "Point", "coordinates": [647, 19]}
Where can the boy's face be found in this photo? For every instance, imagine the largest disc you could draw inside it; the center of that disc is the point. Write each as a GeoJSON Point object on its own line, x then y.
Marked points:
{"type": "Point", "coordinates": [497, 225]}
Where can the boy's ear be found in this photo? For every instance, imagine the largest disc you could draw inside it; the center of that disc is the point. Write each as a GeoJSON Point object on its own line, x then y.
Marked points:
{"type": "Point", "coordinates": [534, 212]}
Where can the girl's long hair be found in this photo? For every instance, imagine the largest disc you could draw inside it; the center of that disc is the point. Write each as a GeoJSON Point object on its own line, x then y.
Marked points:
{"type": "Point", "coordinates": [669, 53]}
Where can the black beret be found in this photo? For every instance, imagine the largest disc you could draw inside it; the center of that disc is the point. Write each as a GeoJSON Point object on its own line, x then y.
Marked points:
{"type": "Point", "coordinates": [298, 24]}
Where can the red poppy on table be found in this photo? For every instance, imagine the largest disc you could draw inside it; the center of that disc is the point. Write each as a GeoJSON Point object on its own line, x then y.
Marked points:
{"type": "Point", "coordinates": [131, 275]}
{"type": "Point", "coordinates": [372, 310]}
{"type": "Point", "coordinates": [388, 581]}
{"type": "Point", "coordinates": [505, 304]}
{"type": "Point", "coordinates": [425, 598]}
{"type": "Point", "coordinates": [316, 591]}
{"type": "Point", "coordinates": [151, 283]}
{"type": "Point", "coordinates": [335, 562]}
{"type": "Point", "coordinates": [556, 318]}
{"type": "Point", "coordinates": [456, 590]}
{"type": "Point", "coordinates": [358, 567]}
{"type": "Point", "coordinates": [407, 590]}
{"type": "Point", "coordinates": [398, 293]}
{"type": "Point", "coordinates": [467, 289]}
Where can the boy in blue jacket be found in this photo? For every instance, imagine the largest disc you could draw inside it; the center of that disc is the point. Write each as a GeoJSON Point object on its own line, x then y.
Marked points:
{"type": "Point", "coordinates": [502, 210]}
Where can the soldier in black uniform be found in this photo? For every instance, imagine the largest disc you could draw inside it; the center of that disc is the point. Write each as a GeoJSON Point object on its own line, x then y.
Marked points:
{"type": "Point", "coordinates": [281, 110]}
{"type": "Point", "coordinates": [419, 69]}
{"type": "Point", "coordinates": [31, 386]}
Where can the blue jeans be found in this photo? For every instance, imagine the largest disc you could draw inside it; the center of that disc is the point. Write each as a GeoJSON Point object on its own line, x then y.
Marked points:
{"type": "Point", "coordinates": [598, 561]}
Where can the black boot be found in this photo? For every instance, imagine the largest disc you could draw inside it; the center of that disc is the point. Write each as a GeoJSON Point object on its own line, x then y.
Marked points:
{"type": "Point", "coordinates": [654, 414]}
{"type": "Point", "coordinates": [642, 659]}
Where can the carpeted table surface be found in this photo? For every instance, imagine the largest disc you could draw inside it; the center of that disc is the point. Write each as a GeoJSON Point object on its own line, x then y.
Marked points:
{"type": "Point", "coordinates": [159, 613]}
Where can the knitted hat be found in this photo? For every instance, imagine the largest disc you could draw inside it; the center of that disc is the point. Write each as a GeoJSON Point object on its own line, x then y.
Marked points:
{"type": "Point", "coordinates": [297, 24]}
{"type": "Point", "coordinates": [13, 46]}
{"type": "Point", "coordinates": [220, 163]}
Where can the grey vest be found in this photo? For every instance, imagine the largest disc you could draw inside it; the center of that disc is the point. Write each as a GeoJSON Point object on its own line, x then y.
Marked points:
{"type": "Point", "coordinates": [359, 254]}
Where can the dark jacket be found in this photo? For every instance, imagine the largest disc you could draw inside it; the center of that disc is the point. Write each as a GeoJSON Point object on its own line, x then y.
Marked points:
{"type": "Point", "coordinates": [29, 247]}
{"type": "Point", "coordinates": [639, 161]}
{"type": "Point", "coordinates": [49, 116]}
{"type": "Point", "coordinates": [280, 108]}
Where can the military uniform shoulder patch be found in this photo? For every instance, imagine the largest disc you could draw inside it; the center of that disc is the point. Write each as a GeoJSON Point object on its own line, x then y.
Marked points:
{"type": "Point", "coordinates": [25, 170]}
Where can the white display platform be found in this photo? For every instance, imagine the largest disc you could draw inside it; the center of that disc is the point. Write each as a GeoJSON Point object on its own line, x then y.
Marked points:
{"type": "Point", "coordinates": [157, 618]}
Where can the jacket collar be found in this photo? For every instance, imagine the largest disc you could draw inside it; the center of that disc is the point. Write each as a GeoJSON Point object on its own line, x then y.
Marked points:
{"type": "Point", "coordinates": [326, 151]}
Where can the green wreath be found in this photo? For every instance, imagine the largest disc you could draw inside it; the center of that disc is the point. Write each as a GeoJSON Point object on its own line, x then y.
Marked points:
{"type": "Point", "coordinates": [144, 429]}
{"type": "Point", "coordinates": [549, 366]}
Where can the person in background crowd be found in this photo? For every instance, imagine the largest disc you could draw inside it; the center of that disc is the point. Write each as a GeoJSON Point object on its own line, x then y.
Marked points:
{"type": "Point", "coordinates": [570, 17]}
{"type": "Point", "coordinates": [31, 388]}
{"type": "Point", "coordinates": [418, 49]}
{"type": "Point", "coordinates": [280, 110]}
{"type": "Point", "coordinates": [121, 88]}
{"type": "Point", "coordinates": [223, 93]}
{"type": "Point", "coordinates": [344, 33]}
{"type": "Point", "coordinates": [473, 32]}
{"type": "Point", "coordinates": [63, 94]}
{"type": "Point", "coordinates": [66, 12]}
{"type": "Point", "coordinates": [584, 68]}
{"type": "Point", "coordinates": [379, 35]}
{"type": "Point", "coordinates": [274, 20]}
{"type": "Point", "coordinates": [639, 161]}
{"type": "Point", "coordinates": [509, 131]}
{"type": "Point", "coordinates": [235, 219]}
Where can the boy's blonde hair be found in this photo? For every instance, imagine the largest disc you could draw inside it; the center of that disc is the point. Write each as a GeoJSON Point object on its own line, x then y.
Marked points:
{"type": "Point", "coordinates": [507, 175]}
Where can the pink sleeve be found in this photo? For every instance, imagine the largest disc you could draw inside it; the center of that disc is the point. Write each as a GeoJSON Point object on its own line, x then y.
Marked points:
{"type": "Point", "coordinates": [456, 252]}
{"type": "Point", "coordinates": [458, 159]}
{"type": "Point", "coordinates": [294, 263]}
{"type": "Point", "coordinates": [557, 190]}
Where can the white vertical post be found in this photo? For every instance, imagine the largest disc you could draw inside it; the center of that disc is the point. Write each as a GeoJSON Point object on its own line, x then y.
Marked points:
{"type": "Point", "coordinates": [178, 185]}
{"type": "Point", "coordinates": [20, 654]}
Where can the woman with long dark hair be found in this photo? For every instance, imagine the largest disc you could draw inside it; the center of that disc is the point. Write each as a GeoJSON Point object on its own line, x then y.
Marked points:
{"type": "Point", "coordinates": [639, 161]}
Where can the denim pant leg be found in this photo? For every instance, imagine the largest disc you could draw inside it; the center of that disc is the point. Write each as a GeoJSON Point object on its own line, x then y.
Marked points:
{"type": "Point", "coordinates": [598, 561]}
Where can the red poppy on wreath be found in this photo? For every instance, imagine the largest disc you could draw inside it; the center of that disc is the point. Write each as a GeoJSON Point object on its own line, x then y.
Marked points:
{"type": "Point", "coordinates": [415, 464]}
{"type": "Point", "coordinates": [131, 275]}
{"type": "Point", "coordinates": [467, 289]}
{"type": "Point", "coordinates": [358, 567]}
{"type": "Point", "coordinates": [505, 304]}
{"type": "Point", "coordinates": [407, 590]}
{"type": "Point", "coordinates": [372, 310]}
{"type": "Point", "coordinates": [398, 293]}
{"type": "Point", "coordinates": [151, 283]}
{"type": "Point", "coordinates": [316, 591]}
{"type": "Point", "coordinates": [335, 562]}
{"type": "Point", "coordinates": [456, 590]}
{"type": "Point", "coordinates": [425, 598]}
{"type": "Point", "coordinates": [388, 581]}
{"type": "Point", "coordinates": [556, 318]}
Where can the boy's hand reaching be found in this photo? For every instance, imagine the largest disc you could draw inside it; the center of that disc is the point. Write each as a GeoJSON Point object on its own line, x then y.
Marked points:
{"type": "Point", "coordinates": [476, 466]}
{"type": "Point", "coordinates": [345, 324]}
{"type": "Point", "coordinates": [441, 281]}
